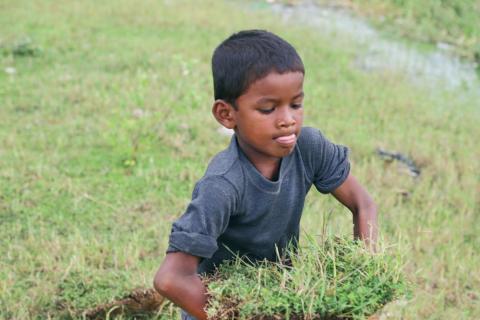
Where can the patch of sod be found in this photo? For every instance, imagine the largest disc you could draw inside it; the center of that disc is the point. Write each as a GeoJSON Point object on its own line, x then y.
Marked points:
{"type": "Point", "coordinates": [330, 279]}
{"type": "Point", "coordinates": [83, 290]}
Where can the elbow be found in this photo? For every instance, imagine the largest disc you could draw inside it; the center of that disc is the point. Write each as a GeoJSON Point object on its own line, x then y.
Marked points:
{"type": "Point", "coordinates": [163, 283]}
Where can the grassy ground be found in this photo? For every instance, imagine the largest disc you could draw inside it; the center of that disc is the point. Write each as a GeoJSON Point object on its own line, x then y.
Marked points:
{"type": "Point", "coordinates": [105, 127]}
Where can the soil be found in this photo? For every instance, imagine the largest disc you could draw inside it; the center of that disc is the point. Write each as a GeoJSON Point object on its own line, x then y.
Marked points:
{"type": "Point", "coordinates": [139, 301]}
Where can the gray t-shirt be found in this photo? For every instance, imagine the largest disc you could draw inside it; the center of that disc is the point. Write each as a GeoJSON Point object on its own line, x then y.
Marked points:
{"type": "Point", "coordinates": [235, 208]}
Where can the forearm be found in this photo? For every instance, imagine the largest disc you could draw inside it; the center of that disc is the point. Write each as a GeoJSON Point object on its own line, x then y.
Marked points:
{"type": "Point", "coordinates": [187, 292]}
{"type": "Point", "coordinates": [352, 195]}
{"type": "Point", "coordinates": [365, 226]}
{"type": "Point", "coordinates": [177, 280]}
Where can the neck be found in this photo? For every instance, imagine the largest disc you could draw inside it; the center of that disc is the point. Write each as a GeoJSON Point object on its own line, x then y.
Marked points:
{"type": "Point", "coordinates": [269, 170]}
{"type": "Point", "coordinates": [267, 166]}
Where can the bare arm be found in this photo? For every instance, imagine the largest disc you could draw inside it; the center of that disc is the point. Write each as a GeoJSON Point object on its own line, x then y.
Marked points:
{"type": "Point", "coordinates": [177, 280]}
{"type": "Point", "coordinates": [352, 195]}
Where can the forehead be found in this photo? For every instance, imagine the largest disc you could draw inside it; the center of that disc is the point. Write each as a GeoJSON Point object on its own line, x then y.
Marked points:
{"type": "Point", "coordinates": [285, 85]}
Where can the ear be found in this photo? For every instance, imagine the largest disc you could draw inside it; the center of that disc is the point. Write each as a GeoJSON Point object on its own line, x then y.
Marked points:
{"type": "Point", "coordinates": [224, 113]}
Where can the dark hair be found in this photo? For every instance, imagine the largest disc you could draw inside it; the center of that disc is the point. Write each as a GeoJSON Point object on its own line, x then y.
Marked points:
{"type": "Point", "coordinates": [247, 56]}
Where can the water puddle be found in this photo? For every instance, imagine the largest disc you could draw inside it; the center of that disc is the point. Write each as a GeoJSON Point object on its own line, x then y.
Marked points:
{"type": "Point", "coordinates": [438, 68]}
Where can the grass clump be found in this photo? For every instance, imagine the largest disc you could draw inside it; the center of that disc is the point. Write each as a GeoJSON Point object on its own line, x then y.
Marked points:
{"type": "Point", "coordinates": [23, 47]}
{"type": "Point", "coordinates": [331, 279]}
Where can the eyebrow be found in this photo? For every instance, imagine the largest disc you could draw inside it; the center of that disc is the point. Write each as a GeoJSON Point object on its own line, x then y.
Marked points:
{"type": "Point", "coordinates": [267, 99]}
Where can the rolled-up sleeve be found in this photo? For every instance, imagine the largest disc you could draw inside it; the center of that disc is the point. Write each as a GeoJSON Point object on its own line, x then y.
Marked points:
{"type": "Point", "coordinates": [214, 201]}
{"type": "Point", "coordinates": [331, 164]}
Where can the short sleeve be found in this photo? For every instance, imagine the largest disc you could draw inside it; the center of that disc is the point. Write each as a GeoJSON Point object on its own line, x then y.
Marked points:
{"type": "Point", "coordinates": [327, 164]}
{"type": "Point", "coordinates": [214, 200]}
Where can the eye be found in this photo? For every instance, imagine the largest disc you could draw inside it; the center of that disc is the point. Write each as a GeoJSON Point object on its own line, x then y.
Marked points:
{"type": "Point", "coordinates": [266, 110]}
{"type": "Point", "coordinates": [297, 106]}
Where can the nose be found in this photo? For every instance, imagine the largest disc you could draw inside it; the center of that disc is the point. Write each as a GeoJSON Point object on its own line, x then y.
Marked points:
{"type": "Point", "coordinates": [286, 117]}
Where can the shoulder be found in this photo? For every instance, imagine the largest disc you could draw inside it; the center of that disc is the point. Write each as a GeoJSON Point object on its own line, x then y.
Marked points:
{"type": "Point", "coordinates": [310, 144]}
{"type": "Point", "coordinates": [218, 191]}
{"type": "Point", "coordinates": [326, 163]}
{"type": "Point", "coordinates": [309, 133]}
{"type": "Point", "coordinates": [309, 139]}
{"type": "Point", "coordinates": [224, 172]}
{"type": "Point", "coordinates": [222, 163]}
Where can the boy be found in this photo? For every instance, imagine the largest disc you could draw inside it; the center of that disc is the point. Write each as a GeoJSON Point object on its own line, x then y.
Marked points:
{"type": "Point", "coordinates": [251, 197]}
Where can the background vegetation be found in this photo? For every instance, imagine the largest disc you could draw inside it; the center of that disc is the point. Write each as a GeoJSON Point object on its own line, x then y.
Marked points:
{"type": "Point", "coordinates": [105, 127]}
{"type": "Point", "coordinates": [451, 22]}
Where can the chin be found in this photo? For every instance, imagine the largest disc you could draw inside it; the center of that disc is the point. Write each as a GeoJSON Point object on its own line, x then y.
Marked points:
{"type": "Point", "coordinates": [286, 151]}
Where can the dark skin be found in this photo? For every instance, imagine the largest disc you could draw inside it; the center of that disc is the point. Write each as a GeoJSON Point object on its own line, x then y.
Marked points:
{"type": "Point", "coordinates": [267, 120]}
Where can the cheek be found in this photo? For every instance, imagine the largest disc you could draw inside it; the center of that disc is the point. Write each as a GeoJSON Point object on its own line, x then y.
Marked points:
{"type": "Point", "coordinates": [253, 126]}
{"type": "Point", "coordinates": [257, 123]}
{"type": "Point", "coordinates": [299, 116]}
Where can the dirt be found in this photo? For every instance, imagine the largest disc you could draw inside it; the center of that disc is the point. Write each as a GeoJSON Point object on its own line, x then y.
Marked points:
{"type": "Point", "coordinates": [139, 301]}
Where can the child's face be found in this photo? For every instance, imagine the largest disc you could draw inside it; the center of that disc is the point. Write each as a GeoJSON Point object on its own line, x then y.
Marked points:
{"type": "Point", "coordinates": [270, 116]}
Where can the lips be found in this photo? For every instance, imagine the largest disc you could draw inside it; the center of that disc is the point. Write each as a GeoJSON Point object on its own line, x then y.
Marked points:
{"type": "Point", "coordinates": [286, 140]}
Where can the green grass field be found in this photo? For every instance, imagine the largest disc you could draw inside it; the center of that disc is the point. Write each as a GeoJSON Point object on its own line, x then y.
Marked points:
{"type": "Point", "coordinates": [105, 126]}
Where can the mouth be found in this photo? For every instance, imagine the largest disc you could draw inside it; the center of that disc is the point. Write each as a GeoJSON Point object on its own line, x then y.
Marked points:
{"type": "Point", "coordinates": [287, 140]}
